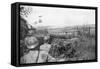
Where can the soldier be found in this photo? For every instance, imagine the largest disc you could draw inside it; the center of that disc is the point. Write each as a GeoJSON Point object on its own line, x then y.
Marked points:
{"type": "Point", "coordinates": [30, 57]}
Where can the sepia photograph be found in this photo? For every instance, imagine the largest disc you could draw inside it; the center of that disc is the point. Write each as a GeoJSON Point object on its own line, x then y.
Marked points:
{"type": "Point", "coordinates": [54, 34]}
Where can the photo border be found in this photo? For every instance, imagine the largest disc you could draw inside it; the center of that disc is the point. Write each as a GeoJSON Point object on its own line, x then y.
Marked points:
{"type": "Point", "coordinates": [58, 6]}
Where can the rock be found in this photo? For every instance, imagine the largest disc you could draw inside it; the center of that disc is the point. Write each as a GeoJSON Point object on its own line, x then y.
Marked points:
{"type": "Point", "coordinates": [31, 57]}
{"type": "Point", "coordinates": [23, 28]}
{"type": "Point", "coordinates": [45, 47]}
{"type": "Point", "coordinates": [51, 59]}
{"type": "Point", "coordinates": [61, 60]}
{"type": "Point", "coordinates": [42, 56]}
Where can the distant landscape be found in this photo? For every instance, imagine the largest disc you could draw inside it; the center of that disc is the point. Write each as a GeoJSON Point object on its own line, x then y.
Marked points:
{"type": "Point", "coordinates": [85, 48]}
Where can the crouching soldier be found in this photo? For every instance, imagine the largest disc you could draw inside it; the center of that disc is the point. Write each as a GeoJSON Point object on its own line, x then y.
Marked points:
{"type": "Point", "coordinates": [30, 57]}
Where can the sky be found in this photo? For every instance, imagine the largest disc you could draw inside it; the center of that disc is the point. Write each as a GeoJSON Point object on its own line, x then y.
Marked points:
{"type": "Point", "coordinates": [60, 17]}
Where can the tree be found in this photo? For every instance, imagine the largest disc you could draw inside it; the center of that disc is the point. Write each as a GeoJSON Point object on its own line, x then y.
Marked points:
{"type": "Point", "coordinates": [25, 11]}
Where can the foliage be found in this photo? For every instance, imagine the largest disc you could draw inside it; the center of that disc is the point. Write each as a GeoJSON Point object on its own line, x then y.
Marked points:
{"type": "Point", "coordinates": [25, 11]}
